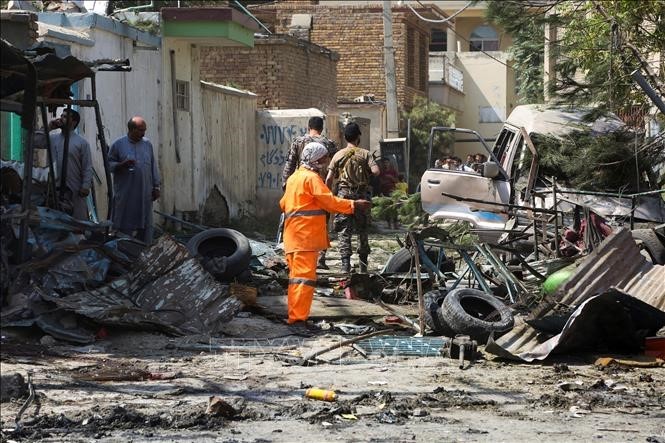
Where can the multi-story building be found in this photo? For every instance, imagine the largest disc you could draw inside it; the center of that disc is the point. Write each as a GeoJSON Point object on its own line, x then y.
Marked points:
{"type": "Point", "coordinates": [354, 30]}
{"type": "Point", "coordinates": [470, 69]}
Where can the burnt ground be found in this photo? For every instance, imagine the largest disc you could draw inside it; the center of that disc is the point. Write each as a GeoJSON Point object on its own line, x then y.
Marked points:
{"type": "Point", "coordinates": [117, 394]}
{"type": "Point", "coordinates": [141, 386]}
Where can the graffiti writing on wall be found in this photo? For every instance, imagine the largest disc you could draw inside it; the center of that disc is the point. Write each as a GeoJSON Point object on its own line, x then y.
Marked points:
{"type": "Point", "coordinates": [277, 135]}
{"type": "Point", "coordinates": [274, 143]}
{"type": "Point", "coordinates": [269, 181]}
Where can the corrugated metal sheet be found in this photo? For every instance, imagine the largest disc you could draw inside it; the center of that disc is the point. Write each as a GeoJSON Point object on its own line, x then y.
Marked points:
{"type": "Point", "coordinates": [167, 290]}
{"type": "Point", "coordinates": [616, 263]}
{"type": "Point", "coordinates": [230, 153]}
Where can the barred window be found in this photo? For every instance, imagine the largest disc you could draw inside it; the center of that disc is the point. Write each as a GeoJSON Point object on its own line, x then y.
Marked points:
{"type": "Point", "coordinates": [182, 95]}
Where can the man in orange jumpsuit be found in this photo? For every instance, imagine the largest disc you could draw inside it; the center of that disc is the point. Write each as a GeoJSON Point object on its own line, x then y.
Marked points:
{"type": "Point", "coordinates": [304, 204]}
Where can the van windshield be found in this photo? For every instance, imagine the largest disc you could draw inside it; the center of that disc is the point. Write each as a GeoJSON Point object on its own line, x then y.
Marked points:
{"type": "Point", "coordinates": [457, 149]}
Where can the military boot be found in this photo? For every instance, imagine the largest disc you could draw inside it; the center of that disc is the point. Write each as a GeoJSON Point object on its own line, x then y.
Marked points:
{"type": "Point", "coordinates": [363, 264]}
{"type": "Point", "coordinates": [346, 265]}
{"type": "Point", "coordinates": [322, 261]}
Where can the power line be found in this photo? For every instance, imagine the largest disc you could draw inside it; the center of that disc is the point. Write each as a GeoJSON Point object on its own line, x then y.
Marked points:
{"type": "Point", "coordinates": [459, 35]}
{"type": "Point", "coordinates": [445, 20]}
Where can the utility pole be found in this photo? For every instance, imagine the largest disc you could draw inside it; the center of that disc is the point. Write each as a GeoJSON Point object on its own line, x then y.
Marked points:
{"type": "Point", "coordinates": [550, 58]}
{"type": "Point", "coordinates": [389, 63]}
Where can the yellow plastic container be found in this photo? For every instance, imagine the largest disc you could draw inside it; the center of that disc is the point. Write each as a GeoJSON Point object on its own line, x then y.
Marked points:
{"type": "Point", "coordinates": [321, 394]}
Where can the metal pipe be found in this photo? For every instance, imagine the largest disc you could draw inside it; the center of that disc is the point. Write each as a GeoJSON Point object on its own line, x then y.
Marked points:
{"type": "Point", "coordinates": [648, 90]}
{"type": "Point", "coordinates": [476, 273]}
{"type": "Point", "coordinates": [64, 168]}
{"type": "Point", "coordinates": [49, 152]}
{"type": "Point", "coordinates": [25, 195]}
{"type": "Point", "coordinates": [62, 102]}
{"type": "Point", "coordinates": [428, 263]}
{"type": "Point", "coordinates": [135, 8]}
{"type": "Point", "coordinates": [556, 220]}
{"type": "Point", "coordinates": [511, 286]}
{"type": "Point", "coordinates": [27, 124]}
{"type": "Point", "coordinates": [252, 16]}
{"type": "Point", "coordinates": [408, 151]}
{"type": "Point", "coordinates": [419, 284]}
{"type": "Point", "coordinates": [179, 220]}
{"type": "Point", "coordinates": [535, 230]}
{"type": "Point", "coordinates": [105, 148]}
{"type": "Point", "coordinates": [637, 166]}
{"type": "Point", "coordinates": [173, 105]}
{"type": "Point", "coordinates": [605, 194]}
{"type": "Point", "coordinates": [505, 205]}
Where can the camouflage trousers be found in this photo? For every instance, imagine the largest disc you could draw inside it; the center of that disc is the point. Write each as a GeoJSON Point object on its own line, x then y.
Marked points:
{"type": "Point", "coordinates": [346, 225]}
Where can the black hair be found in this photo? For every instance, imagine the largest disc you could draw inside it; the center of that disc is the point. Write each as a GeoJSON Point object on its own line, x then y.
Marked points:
{"type": "Point", "coordinates": [315, 123]}
{"type": "Point", "coordinates": [131, 125]}
{"type": "Point", "coordinates": [75, 116]}
{"type": "Point", "coordinates": [352, 132]}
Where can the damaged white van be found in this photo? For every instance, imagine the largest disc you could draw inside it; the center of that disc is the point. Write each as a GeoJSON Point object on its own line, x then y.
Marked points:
{"type": "Point", "coordinates": [486, 194]}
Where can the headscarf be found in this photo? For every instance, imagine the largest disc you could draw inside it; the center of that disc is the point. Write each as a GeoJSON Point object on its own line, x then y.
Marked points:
{"type": "Point", "coordinates": [311, 154]}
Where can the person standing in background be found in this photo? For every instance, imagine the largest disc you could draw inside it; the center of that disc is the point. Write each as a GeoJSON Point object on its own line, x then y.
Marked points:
{"type": "Point", "coordinates": [79, 162]}
{"type": "Point", "coordinates": [135, 181]}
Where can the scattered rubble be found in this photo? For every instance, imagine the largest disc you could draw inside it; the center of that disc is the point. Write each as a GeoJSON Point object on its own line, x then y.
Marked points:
{"type": "Point", "coordinates": [200, 315]}
{"type": "Point", "coordinates": [12, 387]}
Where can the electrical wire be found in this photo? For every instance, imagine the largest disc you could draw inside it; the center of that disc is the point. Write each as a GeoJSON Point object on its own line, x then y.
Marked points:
{"type": "Point", "coordinates": [445, 20]}
{"type": "Point", "coordinates": [460, 36]}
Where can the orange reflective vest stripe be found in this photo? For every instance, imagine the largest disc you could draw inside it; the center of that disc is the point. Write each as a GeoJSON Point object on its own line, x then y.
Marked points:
{"type": "Point", "coordinates": [304, 204]}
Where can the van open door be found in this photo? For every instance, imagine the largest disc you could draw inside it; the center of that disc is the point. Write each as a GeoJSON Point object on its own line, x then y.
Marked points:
{"type": "Point", "coordinates": [446, 184]}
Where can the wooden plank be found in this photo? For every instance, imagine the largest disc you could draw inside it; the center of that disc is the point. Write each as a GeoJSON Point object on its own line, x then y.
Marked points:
{"type": "Point", "coordinates": [333, 307]}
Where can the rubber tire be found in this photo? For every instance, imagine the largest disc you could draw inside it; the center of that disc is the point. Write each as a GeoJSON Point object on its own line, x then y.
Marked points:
{"type": "Point", "coordinates": [400, 261]}
{"type": "Point", "coordinates": [462, 322]}
{"type": "Point", "coordinates": [433, 317]}
{"type": "Point", "coordinates": [649, 241]}
{"type": "Point", "coordinates": [214, 244]}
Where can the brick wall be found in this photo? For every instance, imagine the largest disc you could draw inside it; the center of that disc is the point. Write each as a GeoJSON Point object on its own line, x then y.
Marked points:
{"type": "Point", "coordinates": [283, 71]}
{"type": "Point", "coordinates": [356, 34]}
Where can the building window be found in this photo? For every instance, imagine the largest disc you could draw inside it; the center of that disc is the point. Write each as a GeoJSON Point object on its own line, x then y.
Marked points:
{"type": "Point", "coordinates": [439, 41]}
{"type": "Point", "coordinates": [181, 95]}
{"type": "Point", "coordinates": [484, 38]}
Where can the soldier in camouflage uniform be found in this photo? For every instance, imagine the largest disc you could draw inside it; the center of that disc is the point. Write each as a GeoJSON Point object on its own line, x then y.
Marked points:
{"type": "Point", "coordinates": [315, 129]}
{"type": "Point", "coordinates": [352, 167]}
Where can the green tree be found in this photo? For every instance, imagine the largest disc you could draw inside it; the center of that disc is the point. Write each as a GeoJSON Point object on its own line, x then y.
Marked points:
{"type": "Point", "coordinates": [599, 44]}
{"type": "Point", "coordinates": [424, 115]}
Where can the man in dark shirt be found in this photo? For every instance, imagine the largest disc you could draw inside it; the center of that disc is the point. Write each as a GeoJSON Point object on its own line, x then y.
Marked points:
{"type": "Point", "coordinates": [314, 135]}
{"type": "Point", "coordinates": [352, 168]}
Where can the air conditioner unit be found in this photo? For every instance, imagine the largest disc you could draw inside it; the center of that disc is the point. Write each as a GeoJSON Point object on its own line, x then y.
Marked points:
{"type": "Point", "coordinates": [364, 98]}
